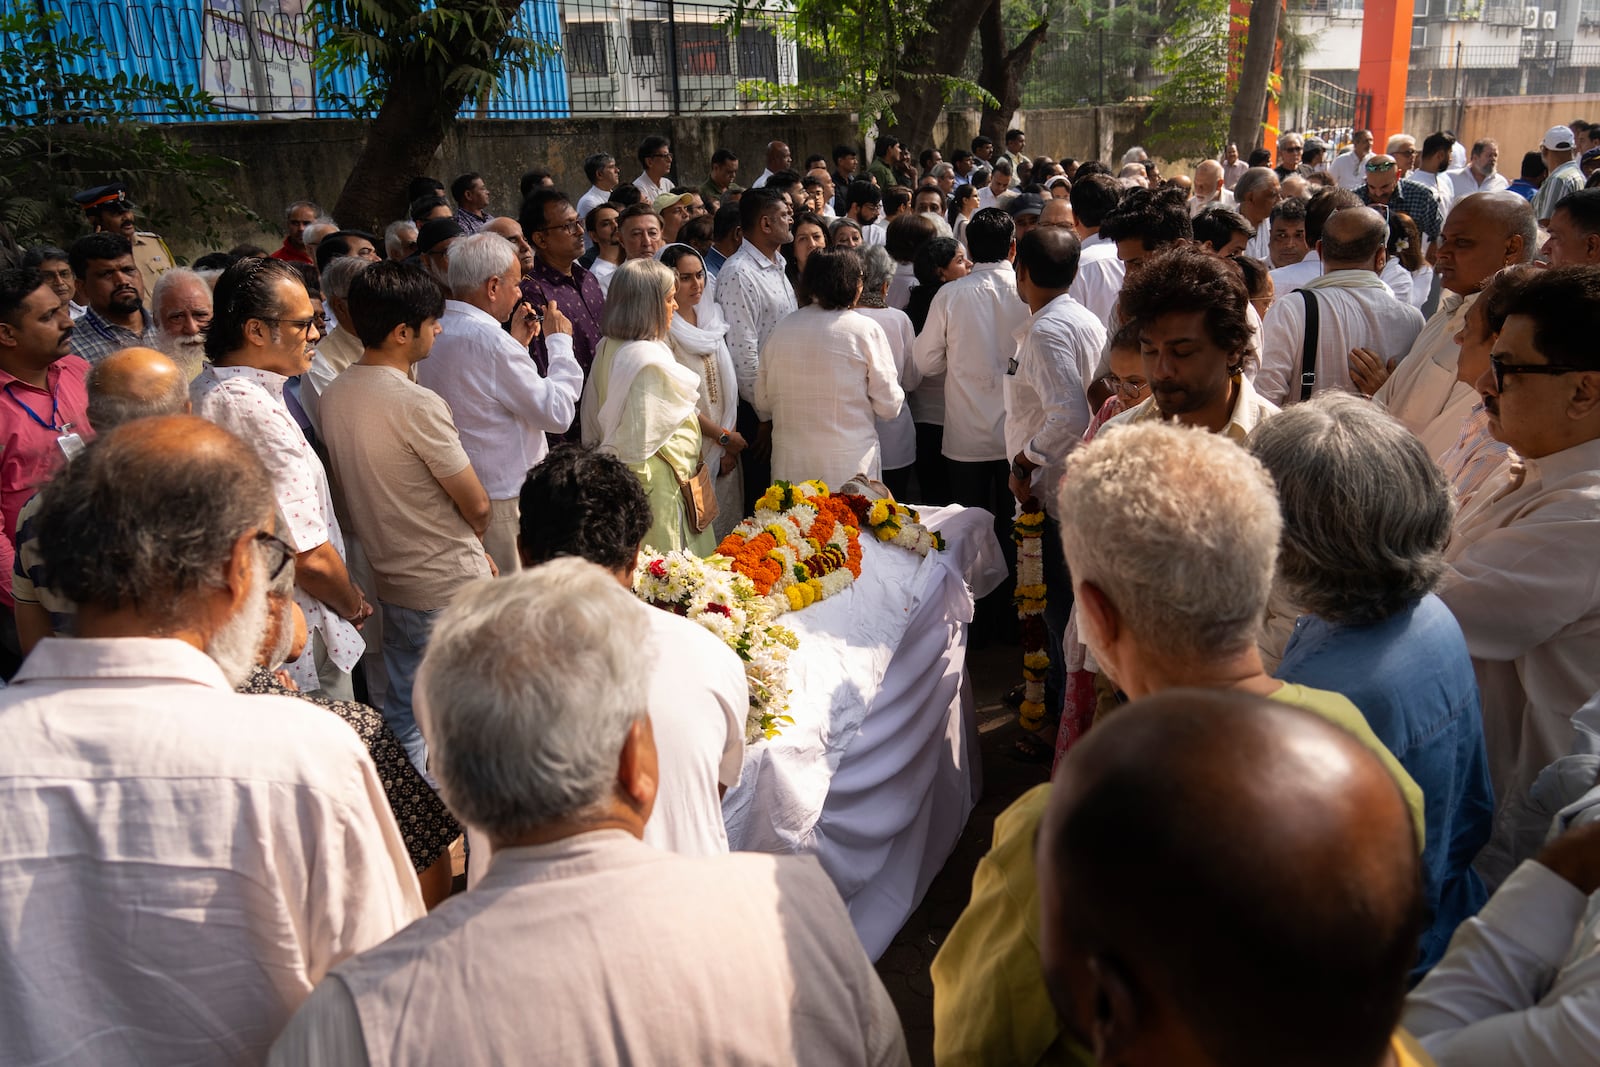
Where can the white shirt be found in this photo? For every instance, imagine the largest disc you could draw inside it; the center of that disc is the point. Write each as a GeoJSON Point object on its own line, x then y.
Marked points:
{"type": "Point", "coordinates": [986, 198]}
{"type": "Point", "coordinates": [766, 172]}
{"type": "Point", "coordinates": [248, 402]}
{"type": "Point", "coordinates": [1349, 169]}
{"type": "Point", "coordinates": [1260, 245]}
{"type": "Point", "coordinates": [1399, 281]}
{"type": "Point", "coordinates": [1224, 198]}
{"type": "Point", "coordinates": [897, 437]}
{"type": "Point", "coordinates": [598, 949]}
{"type": "Point", "coordinates": [1423, 392]}
{"type": "Point", "coordinates": [1465, 183]}
{"type": "Point", "coordinates": [826, 378]}
{"type": "Point", "coordinates": [601, 272]}
{"type": "Point", "coordinates": [1458, 154]}
{"type": "Point", "coordinates": [651, 189]}
{"type": "Point", "coordinates": [181, 864]}
{"type": "Point", "coordinates": [900, 286]}
{"type": "Point", "coordinates": [1365, 317]}
{"type": "Point", "coordinates": [501, 404]}
{"type": "Point", "coordinates": [1047, 408]}
{"type": "Point", "coordinates": [1441, 183]}
{"type": "Point", "coordinates": [1520, 983]}
{"type": "Point", "coordinates": [754, 295]}
{"type": "Point", "coordinates": [970, 337]}
{"type": "Point", "coordinates": [1099, 280]}
{"type": "Point", "coordinates": [1286, 280]}
{"type": "Point", "coordinates": [1232, 172]}
{"type": "Point", "coordinates": [1521, 581]}
{"type": "Point", "coordinates": [587, 203]}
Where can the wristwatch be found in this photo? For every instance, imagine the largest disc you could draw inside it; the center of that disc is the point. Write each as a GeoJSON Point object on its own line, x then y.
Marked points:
{"type": "Point", "coordinates": [723, 438]}
{"type": "Point", "coordinates": [1020, 472]}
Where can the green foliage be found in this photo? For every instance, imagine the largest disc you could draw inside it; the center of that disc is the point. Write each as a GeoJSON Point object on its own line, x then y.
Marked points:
{"type": "Point", "coordinates": [69, 126]}
{"type": "Point", "coordinates": [455, 50]}
{"type": "Point", "coordinates": [1190, 109]}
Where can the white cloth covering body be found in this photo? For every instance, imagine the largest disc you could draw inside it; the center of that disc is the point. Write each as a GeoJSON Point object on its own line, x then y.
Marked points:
{"type": "Point", "coordinates": [179, 864]}
{"type": "Point", "coordinates": [502, 405]}
{"type": "Point", "coordinates": [1423, 392]}
{"type": "Point", "coordinates": [826, 378]}
{"type": "Point", "coordinates": [970, 337]}
{"type": "Point", "coordinates": [612, 952]}
{"type": "Point", "coordinates": [1355, 309]}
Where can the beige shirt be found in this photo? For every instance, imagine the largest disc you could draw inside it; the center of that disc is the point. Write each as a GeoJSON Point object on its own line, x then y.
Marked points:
{"type": "Point", "coordinates": [179, 864]}
{"type": "Point", "coordinates": [1423, 392]}
{"type": "Point", "coordinates": [389, 442]}
{"type": "Point", "coordinates": [600, 950]}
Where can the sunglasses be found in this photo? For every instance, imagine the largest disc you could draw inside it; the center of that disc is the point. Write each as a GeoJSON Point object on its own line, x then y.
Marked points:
{"type": "Point", "coordinates": [1378, 166]}
{"type": "Point", "coordinates": [1500, 369]}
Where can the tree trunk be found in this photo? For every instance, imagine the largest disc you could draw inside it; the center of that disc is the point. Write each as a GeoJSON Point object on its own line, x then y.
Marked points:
{"type": "Point", "coordinates": [1250, 104]}
{"type": "Point", "coordinates": [1002, 71]}
{"type": "Point", "coordinates": [941, 50]}
{"type": "Point", "coordinates": [401, 142]}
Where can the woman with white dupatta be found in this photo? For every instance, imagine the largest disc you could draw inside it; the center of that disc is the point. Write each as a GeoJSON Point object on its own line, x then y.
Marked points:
{"type": "Point", "coordinates": [699, 340]}
{"type": "Point", "coordinates": [640, 404]}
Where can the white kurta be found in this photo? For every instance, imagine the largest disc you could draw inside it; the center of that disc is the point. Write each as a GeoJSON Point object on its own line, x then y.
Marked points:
{"type": "Point", "coordinates": [826, 378]}
{"type": "Point", "coordinates": [180, 864]}
{"type": "Point", "coordinates": [1287, 279]}
{"type": "Point", "coordinates": [897, 437]}
{"type": "Point", "coordinates": [1423, 392]}
{"type": "Point", "coordinates": [1523, 584]}
{"type": "Point", "coordinates": [1365, 317]}
{"type": "Point", "coordinates": [598, 949]}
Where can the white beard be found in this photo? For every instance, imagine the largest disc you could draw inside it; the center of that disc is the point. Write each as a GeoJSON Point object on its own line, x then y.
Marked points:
{"type": "Point", "coordinates": [237, 643]}
{"type": "Point", "coordinates": [189, 353]}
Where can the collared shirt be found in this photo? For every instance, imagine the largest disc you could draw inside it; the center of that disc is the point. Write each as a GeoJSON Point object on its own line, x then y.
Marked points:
{"type": "Point", "coordinates": [710, 192]}
{"type": "Point", "coordinates": [1047, 408]}
{"type": "Point", "coordinates": [1521, 581]}
{"type": "Point", "coordinates": [1561, 183]}
{"type": "Point", "coordinates": [652, 189]}
{"type": "Point", "coordinates": [1518, 984]}
{"type": "Point", "coordinates": [1232, 172]}
{"type": "Point", "coordinates": [1260, 244]}
{"type": "Point", "coordinates": [580, 299]}
{"type": "Point", "coordinates": [471, 222]}
{"type": "Point", "coordinates": [761, 180]}
{"type": "Point", "coordinates": [1286, 280]}
{"type": "Point", "coordinates": [1419, 201]}
{"type": "Point", "coordinates": [1465, 183]}
{"type": "Point", "coordinates": [31, 422]}
{"type": "Point", "coordinates": [754, 294]}
{"type": "Point", "coordinates": [739, 958]}
{"type": "Point", "coordinates": [94, 338]}
{"type": "Point", "coordinates": [169, 896]}
{"type": "Point", "coordinates": [970, 337]}
{"type": "Point", "coordinates": [1349, 169]}
{"type": "Point", "coordinates": [590, 200]}
{"type": "Point", "coordinates": [1249, 411]}
{"type": "Point", "coordinates": [1440, 182]}
{"type": "Point", "coordinates": [1526, 190]}
{"type": "Point", "coordinates": [1423, 392]}
{"type": "Point", "coordinates": [1099, 279]}
{"type": "Point", "coordinates": [602, 270]}
{"type": "Point", "coordinates": [248, 402]}
{"type": "Point", "coordinates": [1476, 459]}
{"type": "Point", "coordinates": [290, 254]}
{"type": "Point", "coordinates": [1224, 198]}
{"type": "Point", "coordinates": [1360, 314]}
{"type": "Point", "coordinates": [502, 405]}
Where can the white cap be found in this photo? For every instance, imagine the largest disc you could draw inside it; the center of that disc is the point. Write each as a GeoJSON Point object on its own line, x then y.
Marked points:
{"type": "Point", "coordinates": [1558, 139]}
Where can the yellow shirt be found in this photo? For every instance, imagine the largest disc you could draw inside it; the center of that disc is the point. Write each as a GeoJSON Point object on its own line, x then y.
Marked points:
{"type": "Point", "coordinates": [990, 1004]}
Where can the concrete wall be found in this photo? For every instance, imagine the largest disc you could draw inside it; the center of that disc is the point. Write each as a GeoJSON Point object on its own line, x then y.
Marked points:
{"type": "Point", "coordinates": [288, 160]}
{"type": "Point", "coordinates": [1081, 133]}
{"type": "Point", "coordinates": [1516, 123]}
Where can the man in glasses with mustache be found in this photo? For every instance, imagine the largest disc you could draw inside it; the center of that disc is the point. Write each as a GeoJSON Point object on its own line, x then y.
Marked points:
{"type": "Point", "coordinates": [109, 283]}
{"type": "Point", "coordinates": [1521, 577]}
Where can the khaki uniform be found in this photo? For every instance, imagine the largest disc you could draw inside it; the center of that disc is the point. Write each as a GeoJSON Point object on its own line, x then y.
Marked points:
{"type": "Point", "coordinates": [153, 257]}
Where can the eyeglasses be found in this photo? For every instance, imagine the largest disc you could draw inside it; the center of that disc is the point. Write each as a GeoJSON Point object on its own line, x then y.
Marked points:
{"type": "Point", "coordinates": [1126, 387]}
{"type": "Point", "coordinates": [285, 553]}
{"type": "Point", "coordinates": [1500, 368]}
{"type": "Point", "coordinates": [570, 226]}
{"type": "Point", "coordinates": [1378, 166]}
{"type": "Point", "coordinates": [298, 325]}
{"type": "Point", "coordinates": [660, 155]}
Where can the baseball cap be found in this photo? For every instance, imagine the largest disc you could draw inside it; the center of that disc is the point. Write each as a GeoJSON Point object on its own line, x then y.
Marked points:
{"type": "Point", "coordinates": [1025, 204]}
{"type": "Point", "coordinates": [666, 200]}
{"type": "Point", "coordinates": [1558, 139]}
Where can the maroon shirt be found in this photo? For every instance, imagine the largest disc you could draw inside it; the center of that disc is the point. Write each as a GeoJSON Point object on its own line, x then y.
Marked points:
{"type": "Point", "coordinates": [580, 299]}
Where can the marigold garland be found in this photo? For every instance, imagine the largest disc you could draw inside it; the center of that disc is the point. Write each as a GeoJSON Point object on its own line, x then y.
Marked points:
{"type": "Point", "coordinates": [802, 545]}
{"type": "Point", "coordinates": [1028, 532]}
{"type": "Point", "coordinates": [894, 523]}
{"type": "Point", "coordinates": [711, 593]}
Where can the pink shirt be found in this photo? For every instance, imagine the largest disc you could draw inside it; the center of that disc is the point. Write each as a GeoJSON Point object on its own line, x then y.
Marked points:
{"type": "Point", "coordinates": [31, 419]}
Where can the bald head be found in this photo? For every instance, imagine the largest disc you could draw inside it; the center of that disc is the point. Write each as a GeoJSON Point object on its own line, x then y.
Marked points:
{"type": "Point", "coordinates": [1207, 177]}
{"type": "Point", "coordinates": [135, 383]}
{"type": "Point", "coordinates": [1226, 873]}
{"type": "Point", "coordinates": [1483, 233]}
{"type": "Point", "coordinates": [1056, 212]}
{"type": "Point", "coordinates": [1352, 239]}
{"type": "Point", "coordinates": [1508, 214]}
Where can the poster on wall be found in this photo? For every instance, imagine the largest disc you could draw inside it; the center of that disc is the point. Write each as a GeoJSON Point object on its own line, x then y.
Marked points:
{"type": "Point", "coordinates": [257, 56]}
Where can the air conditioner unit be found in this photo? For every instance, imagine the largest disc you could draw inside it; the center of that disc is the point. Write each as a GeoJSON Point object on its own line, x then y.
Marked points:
{"type": "Point", "coordinates": [1530, 48]}
{"type": "Point", "coordinates": [1549, 20]}
{"type": "Point", "coordinates": [1530, 18]}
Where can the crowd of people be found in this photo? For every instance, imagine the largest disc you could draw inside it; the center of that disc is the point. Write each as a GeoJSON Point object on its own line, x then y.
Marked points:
{"type": "Point", "coordinates": [1315, 436]}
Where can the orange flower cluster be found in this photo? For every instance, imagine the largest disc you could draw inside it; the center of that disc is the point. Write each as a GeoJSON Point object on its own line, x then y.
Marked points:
{"type": "Point", "coordinates": [754, 559]}
{"type": "Point", "coordinates": [831, 511]}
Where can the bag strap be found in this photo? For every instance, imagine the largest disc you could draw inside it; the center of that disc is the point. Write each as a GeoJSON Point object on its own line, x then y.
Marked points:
{"type": "Point", "coordinates": [1308, 350]}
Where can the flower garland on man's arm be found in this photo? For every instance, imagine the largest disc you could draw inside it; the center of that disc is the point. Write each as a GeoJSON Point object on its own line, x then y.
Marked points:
{"type": "Point", "coordinates": [1028, 531]}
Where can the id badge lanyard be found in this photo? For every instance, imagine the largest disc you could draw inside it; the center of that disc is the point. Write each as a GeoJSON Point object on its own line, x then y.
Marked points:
{"type": "Point", "coordinates": [70, 443]}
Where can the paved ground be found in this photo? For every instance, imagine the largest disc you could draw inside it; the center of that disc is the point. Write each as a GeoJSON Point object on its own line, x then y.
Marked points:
{"type": "Point", "coordinates": [905, 966]}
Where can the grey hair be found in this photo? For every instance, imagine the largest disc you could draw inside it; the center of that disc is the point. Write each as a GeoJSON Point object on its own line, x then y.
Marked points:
{"type": "Point", "coordinates": [1366, 512]}
{"type": "Point", "coordinates": [879, 267]}
{"type": "Point", "coordinates": [318, 230]}
{"type": "Point", "coordinates": [942, 170]}
{"type": "Point", "coordinates": [636, 302]}
{"type": "Point", "coordinates": [397, 235]}
{"type": "Point", "coordinates": [1136, 154]}
{"type": "Point", "coordinates": [841, 223]}
{"type": "Point", "coordinates": [476, 259]}
{"type": "Point", "coordinates": [169, 281]}
{"type": "Point", "coordinates": [108, 409]}
{"type": "Point", "coordinates": [1179, 529]}
{"type": "Point", "coordinates": [338, 274]}
{"type": "Point", "coordinates": [149, 524]}
{"type": "Point", "coordinates": [1251, 180]}
{"type": "Point", "coordinates": [527, 693]}
{"type": "Point", "coordinates": [1399, 140]}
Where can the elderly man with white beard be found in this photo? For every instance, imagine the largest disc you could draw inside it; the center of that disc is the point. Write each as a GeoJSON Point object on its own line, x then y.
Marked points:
{"type": "Point", "coordinates": [171, 893]}
{"type": "Point", "coordinates": [181, 306]}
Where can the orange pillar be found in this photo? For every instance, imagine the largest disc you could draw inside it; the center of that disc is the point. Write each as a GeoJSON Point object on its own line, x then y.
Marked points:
{"type": "Point", "coordinates": [1385, 61]}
